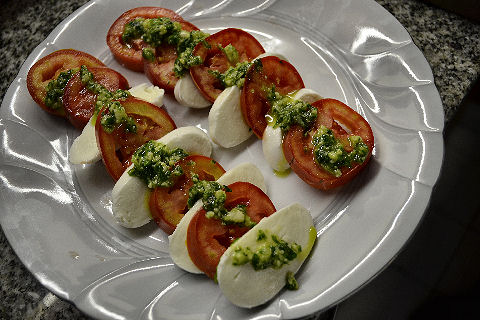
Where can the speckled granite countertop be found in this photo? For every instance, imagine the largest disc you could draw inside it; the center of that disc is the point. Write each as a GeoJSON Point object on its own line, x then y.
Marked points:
{"type": "Point", "coordinates": [450, 43]}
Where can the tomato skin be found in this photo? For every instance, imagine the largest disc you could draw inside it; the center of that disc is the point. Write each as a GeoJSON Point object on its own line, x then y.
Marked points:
{"type": "Point", "coordinates": [160, 72]}
{"type": "Point", "coordinates": [215, 59]}
{"type": "Point", "coordinates": [169, 205]}
{"type": "Point", "coordinates": [49, 67]}
{"type": "Point", "coordinates": [118, 147]}
{"type": "Point", "coordinates": [79, 102]}
{"type": "Point", "coordinates": [253, 99]}
{"type": "Point", "coordinates": [131, 55]}
{"type": "Point", "coordinates": [298, 149]}
{"type": "Point", "coordinates": [207, 239]}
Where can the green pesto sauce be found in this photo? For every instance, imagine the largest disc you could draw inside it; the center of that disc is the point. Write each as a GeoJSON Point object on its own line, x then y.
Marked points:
{"type": "Point", "coordinates": [154, 31]}
{"type": "Point", "coordinates": [148, 54]}
{"type": "Point", "coordinates": [290, 281]}
{"type": "Point", "coordinates": [232, 53]}
{"type": "Point", "coordinates": [286, 111]}
{"type": "Point", "coordinates": [330, 153]}
{"type": "Point", "coordinates": [186, 59]}
{"type": "Point", "coordinates": [115, 114]}
{"type": "Point", "coordinates": [213, 196]}
{"type": "Point", "coordinates": [158, 31]}
{"type": "Point", "coordinates": [133, 30]}
{"type": "Point", "coordinates": [272, 252]}
{"type": "Point", "coordinates": [233, 76]}
{"type": "Point", "coordinates": [155, 164]}
{"type": "Point", "coordinates": [55, 89]}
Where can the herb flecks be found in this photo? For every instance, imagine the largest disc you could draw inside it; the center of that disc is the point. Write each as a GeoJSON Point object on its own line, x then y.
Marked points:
{"type": "Point", "coordinates": [330, 153]}
{"type": "Point", "coordinates": [159, 31]}
{"type": "Point", "coordinates": [55, 89]}
{"type": "Point", "coordinates": [114, 113]}
{"type": "Point", "coordinates": [213, 196]}
{"type": "Point", "coordinates": [272, 252]}
{"type": "Point", "coordinates": [233, 76]}
{"type": "Point", "coordinates": [286, 111]}
{"type": "Point", "coordinates": [155, 164]}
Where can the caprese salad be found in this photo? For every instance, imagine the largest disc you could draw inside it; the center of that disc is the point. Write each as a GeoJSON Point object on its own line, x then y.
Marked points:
{"type": "Point", "coordinates": [251, 91]}
{"type": "Point", "coordinates": [220, 223]}
{"type": "Point", "coordinates": [170, 177]}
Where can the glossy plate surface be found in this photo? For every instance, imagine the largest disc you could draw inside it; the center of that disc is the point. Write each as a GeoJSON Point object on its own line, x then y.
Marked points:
{"type": "Point", "coordinates": [58, 218]}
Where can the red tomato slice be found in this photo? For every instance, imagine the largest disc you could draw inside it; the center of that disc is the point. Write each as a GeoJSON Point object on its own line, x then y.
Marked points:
{"type": "Point", "coordinates": [49, 67]}
{"type": "Point", "coordinates": [298, 148]}
{"type": "Point", "coordinates": [118, 147]}
{"type": "Point", "coordinates": [130, 55]}
{"type": "Point", "coordinates": [215, 59]}
{"type": "Point", "coordinates": [79, 102]}
{"type": "Point", "coordinates": [253, 100]}
{"type": "Point", "coordinates": [207, 239]}
{"type": "Point", "coordinates": [169, 205]}
{"type": "Point", "coordinates": [160, 72]}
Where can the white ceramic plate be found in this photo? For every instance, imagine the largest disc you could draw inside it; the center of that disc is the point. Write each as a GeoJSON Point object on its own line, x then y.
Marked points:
{"type": "Point", "coordinates": [57, 217]}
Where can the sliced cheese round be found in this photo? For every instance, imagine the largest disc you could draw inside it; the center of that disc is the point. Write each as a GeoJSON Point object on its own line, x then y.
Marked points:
{"type": "Point", "coordinates": [226, 125]}
{"type": "Point", "coordinates": [149, 93]}
{"type": "Point", "coordinates": [187, 93]}
{"type": "Point", "coordinates": [246, 172]}
{"type": "Point", "coordinates": [177, 241]}
{"type": "Point", "coordinates": [130, 194]}
{"type": "Point", "coordinates": [272, 140]}
{"type": "Point", "coordinates": [84, 148]}
{"type": "Point", "coordinates": [307, 95]}
{"type": "Point", "coordinates": [246, 287]}
{"type": "Point", "coordinates": [191, 139]}
{"type": "Point", "coordinates": [130, 201]}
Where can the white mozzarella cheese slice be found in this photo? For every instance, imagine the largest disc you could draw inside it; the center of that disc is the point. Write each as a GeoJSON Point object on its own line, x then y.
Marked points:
{"type": "Point", "coordinates": [130, 194]}
{"type": "Point", "coordinates": [246, 172]}
{"type": "Point", "coordinates": [84, 148]}
{"type": "Point", "coordinates": [187, 93]}
{"type": "Point", "coordinates": [191, 139]}
{"type": "Point", "coordinates": [177, 241]}
{"type": "Point", "coordinates": [226, 125]}
{"type": "Point", "coordinates": [246, 287]}
{"type": "Point", "coordinates": [307, 95]}
{"type": "Point", "coordinates": [149, 93]}
{"type": "Point", "coordinates": [130, 201]}
{"type": "Point", "coordinates": [272, 149]}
